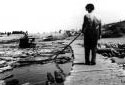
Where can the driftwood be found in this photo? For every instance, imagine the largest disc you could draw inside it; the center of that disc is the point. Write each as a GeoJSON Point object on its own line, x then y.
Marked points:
{"type": "Point", "coordinates": [102, 50]}
{"type": "Point", "coordinates": [112, 50]}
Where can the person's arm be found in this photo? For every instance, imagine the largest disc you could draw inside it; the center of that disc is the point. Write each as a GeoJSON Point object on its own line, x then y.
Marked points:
{"type": "Point", "coordinates": [84, 25]}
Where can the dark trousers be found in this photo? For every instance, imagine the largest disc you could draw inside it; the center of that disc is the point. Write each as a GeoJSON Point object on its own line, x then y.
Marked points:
{"type": "Point", "coordinates": [87, 55]}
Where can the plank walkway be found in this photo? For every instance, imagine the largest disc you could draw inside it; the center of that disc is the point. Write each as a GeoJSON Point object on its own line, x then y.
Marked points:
{"type": "Point", "coordinates": [103, 73]}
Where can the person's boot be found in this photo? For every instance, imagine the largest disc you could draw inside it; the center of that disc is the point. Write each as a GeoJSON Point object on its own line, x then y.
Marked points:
{"type": "Point", "coordinates": [87, 63]}
{"type": "Point", "coordinates": [93, 63]}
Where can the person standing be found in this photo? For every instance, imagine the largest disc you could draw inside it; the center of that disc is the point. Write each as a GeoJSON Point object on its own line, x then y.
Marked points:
{"type": "Point", "coordinates": [92, 31]}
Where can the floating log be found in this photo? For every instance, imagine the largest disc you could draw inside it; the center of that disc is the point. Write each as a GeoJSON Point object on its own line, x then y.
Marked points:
{"type": "Point", "coordinates": [32, 61]}
{"type": "Point", "coordinates": [104, 50]}
{"type": "Point", "coordinates": [6, 77]}
{"type": "Point", "coordinates": [62, 60]}
{"type": "Point", "coordinates": [5, 68]}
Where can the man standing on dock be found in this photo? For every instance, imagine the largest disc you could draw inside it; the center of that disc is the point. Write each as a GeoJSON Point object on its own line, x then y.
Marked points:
{"type": "Point", "coordinates": [92, 31]}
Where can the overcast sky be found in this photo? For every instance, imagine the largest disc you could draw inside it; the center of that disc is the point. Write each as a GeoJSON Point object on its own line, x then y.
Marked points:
{"type": "Point", "coordinates": [51, 15]}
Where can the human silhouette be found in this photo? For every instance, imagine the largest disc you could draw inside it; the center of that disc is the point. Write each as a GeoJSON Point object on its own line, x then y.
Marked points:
{"type": "Point", "coordinates": [92, 30]}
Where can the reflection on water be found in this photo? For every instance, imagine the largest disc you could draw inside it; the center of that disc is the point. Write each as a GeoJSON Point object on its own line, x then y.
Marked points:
{"type": "Point", "coordinates": [37, 73]}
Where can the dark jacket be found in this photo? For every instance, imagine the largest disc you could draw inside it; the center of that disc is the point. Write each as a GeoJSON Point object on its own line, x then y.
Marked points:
{"type": "Point", "coordinates": [91, 29]}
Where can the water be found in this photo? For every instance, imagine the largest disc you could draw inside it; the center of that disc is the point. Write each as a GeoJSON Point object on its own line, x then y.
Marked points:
{"type": "Point", "coordinates": [36, 73]}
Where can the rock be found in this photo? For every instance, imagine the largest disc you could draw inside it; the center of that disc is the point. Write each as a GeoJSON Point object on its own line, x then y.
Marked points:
{"type": "Point", "coordinates": [50, 78]}
{"type": "Point", "coordinates": [59, 77]}
{"type": "Point", "coordinates": [48, 83]}
{"type": "Point", "coordinates": [112, 60]}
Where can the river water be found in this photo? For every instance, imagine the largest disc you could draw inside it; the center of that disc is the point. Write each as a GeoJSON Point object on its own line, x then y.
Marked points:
{"type": "Point", "coordinates": [37, 73]}
{"type": "Point", "coordinates": [34, 73]}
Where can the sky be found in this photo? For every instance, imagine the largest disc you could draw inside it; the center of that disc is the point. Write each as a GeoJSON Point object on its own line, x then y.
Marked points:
{"type": "Point", "coordinates": [38, 16]}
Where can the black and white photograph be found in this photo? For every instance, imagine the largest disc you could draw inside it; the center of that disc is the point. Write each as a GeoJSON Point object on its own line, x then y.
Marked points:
{"type": "Point", "coordinates": [62, 42]}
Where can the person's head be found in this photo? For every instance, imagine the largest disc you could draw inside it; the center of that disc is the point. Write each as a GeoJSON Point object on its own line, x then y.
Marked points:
{"type": "Point", "coordinates": [89, 7]}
